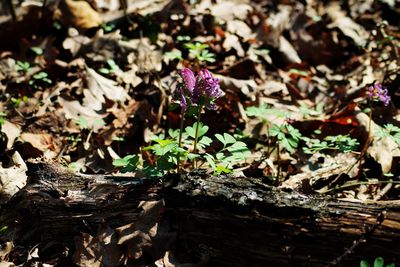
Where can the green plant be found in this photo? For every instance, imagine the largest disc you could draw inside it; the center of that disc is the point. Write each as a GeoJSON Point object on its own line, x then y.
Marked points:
{"type": "Point", "coordinates": [2, 120]}
{"type": "Point", "coordinates": [391, 131]}
{"type": "Point", "coordinates": [128, 163]}
{"type": "Point", "coordinates": [200, 52]}
{"type": "Point", "coordinates": [232, 152]}
{"type": "Point", "coordinates": [379, 262]}
{"type": "Point", "coordinates": [341, 143]}
{"type": "Point", "coordinates": [37, 50]}
{"type": "Point", "coordinates": [197, 51]}
{"type": "Point", "coordinates": [40, 77]}
{"type": "Point", "coordinates": [288, 136]}
{"type": "Point", "coordinates": [23, 66]}
{"type": "Point", "coordinates": [265, 112]}
{"type": "Point", "coordinates": [15, 102]}
{"type": "Point", "coordinates": [108, 27]}
{"type": "Point", "coordinates": [112, 67]}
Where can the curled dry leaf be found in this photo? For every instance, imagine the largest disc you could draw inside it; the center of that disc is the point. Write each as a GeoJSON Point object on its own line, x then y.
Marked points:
{"type": "Point", "coordinates": [138, 236]}
{"type": "Point", "coordinates": [383, 150]}
{"type": "Point", "coordinates": [13, 178]}
{"type": "Point", "coordinates": [12, 132]}
{"type": "Point", "coordinates": [101, 250]}
{"type": "Point", "coordinates": [79, 14]}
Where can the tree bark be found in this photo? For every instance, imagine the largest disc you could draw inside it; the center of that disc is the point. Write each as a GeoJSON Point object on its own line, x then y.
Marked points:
{"type": "Point", "coordinates": [218, 221]}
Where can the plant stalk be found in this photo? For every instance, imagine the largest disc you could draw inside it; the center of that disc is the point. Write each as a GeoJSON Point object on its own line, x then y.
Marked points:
{"type": "Point", "coordinates": [196, 137]}
{"type": "Point", "coordinates": [366, 145]}
{"type": "Point", "coordinates": [180, 140]}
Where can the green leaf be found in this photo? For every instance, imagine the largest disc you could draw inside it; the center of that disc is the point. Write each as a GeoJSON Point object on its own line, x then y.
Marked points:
{"type": "Point", "coordinates": [210, 160]}
{"type": "Point", "coordinates": [37, 50]}
{"type": "Point", "coordinates": [220, 138]}
{"type": "Point", "coordinates": [229, 139]}
{"type": "Point", "coordinates": [204, 142]}
{"type": "Point", "coordinates": [222, 169]}
{"type": "Point", "coordinates": [379, 262]}
{"type": "Point", "coordinates": [364, 263]}
{"type": "Point", "coordinates": [128, 163]}
{"type": "Point", "coordinates": [3, 230]}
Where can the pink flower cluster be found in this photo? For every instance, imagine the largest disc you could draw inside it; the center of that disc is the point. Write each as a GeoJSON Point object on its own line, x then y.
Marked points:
{"type": "Point", "coordinates": [377, 92]}
{"type": "Point", "coordinates": [203, 89]}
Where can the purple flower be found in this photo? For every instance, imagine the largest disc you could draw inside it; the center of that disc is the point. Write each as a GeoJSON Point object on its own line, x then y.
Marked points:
{"type": "Point", "coordinates": [377, 92]}
{"type": "Point", "coordinates": [201, 90]}
{"type": "Point", "coordinates": [188, 79]}
{"type": "Point", "coordinates": [210, 85]}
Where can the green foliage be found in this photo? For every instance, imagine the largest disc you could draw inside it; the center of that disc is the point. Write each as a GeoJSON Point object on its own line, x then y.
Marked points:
{"type": "Point", "coordinates": [112, 67]}
{"type": "Point", "coordinates": [287, 136]}
{"type": "Point", "coordinates": [128, 163]}
{"type": "Point", "coordinates": [197, 51]}
{"type": "Point", "coordinates": [83, 123]}
{"type": "Point", "coordinates": [40, 77]}
{"type": "Point", "coordinates": [3, 230]}
{"type": "Point", "coordinates": [391, 131]}
{"type": "Point", "coordinates": [2, 120]}
{"type": "Point", "coordinates": [200, 52]}
{"type": "Point", "coordinates": [232, 152]}
{"type": "Point", "coordinates": [37, 50]}
{"type": "Point", "coordinates": [379, 262]}
{"type": "Point", "coordinates": [22, 66]}
{"type": "Point", "coordinates": [174, 54]}
{"type": "Point", "coordinates": [307, 112]}
{"type": "Point", "coordinates": [264, 111]}
{"type": "Point", "coordinates": [108, 27]}
{"type": "Point", "coordinates": [341, 143]}
{"type": "Point", "coordinates": [15, 102]}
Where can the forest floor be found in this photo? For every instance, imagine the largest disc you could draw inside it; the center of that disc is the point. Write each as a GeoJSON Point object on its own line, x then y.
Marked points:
{"type": "Point", "coordinates": [309, 102]}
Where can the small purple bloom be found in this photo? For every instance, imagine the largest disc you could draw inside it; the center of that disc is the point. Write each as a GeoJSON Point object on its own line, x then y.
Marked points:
{"type": "Point", "coordinates": [189, 79]}
{"type": "Point", "coordinates": [210, 85]}
{"type": "Point", "coordinates": [203, 89]}
{"type": "Point", "coordinates": [377, 92]}
{"type": "Point", "coordinates": [183, 99]}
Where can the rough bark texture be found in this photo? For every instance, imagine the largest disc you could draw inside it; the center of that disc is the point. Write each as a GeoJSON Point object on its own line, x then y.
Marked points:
{"type": "Point", "coordinates": [218, 221]}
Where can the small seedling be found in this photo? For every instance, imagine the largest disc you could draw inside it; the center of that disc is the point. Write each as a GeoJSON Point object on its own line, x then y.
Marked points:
{"type": "Point", "coordinates": [40, 77]}
{"type": "Point", "coordinates": [37, 50]}
{"type": "Point", "coordinates": [288, 136]}
{"type": "Point", "coordinates": [22, 66]}
{"type": "Point", "coordinates": [379, 262]}
{"type": "Point", "coordinates": [200, 52]}
{"type": "Point", "coordinates": [112, 67]}
{"type": "Point", "coordinates": [391, 131]}
{"type": "Point", "coordinates": [2, 120]}
{"type": "Point", "coordinates": [341, 143]}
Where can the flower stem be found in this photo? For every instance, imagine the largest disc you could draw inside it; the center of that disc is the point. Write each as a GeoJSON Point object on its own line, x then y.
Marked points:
{"type": "Point", "coordinates": [196, 137]}
{"type": "Point", "coordinates": [366, 145]}
{"type": "Point", "coordinates": [180, 140]}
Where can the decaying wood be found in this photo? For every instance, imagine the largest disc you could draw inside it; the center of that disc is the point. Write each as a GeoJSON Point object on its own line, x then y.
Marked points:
{"type": "Point", "coordinates": [218, 221]}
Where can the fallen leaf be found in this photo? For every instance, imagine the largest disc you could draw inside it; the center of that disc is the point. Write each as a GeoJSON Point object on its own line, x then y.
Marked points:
{"type": "Point", "coordinates": [13, 178]}
{"type": "Point", "coordinates": [12, 131]}
{"type": "Point", "coordinates": [79, 14]}
{"type": "Point", "coordinates": [138, 236]}
{"type": "Point", "coordinates": [101, 250]}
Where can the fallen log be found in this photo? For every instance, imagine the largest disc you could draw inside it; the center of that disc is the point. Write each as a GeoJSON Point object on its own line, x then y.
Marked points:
{"type": "Point", "coordinates": [214, 221]}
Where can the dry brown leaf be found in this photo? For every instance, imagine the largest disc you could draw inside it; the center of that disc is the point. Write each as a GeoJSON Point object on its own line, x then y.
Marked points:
{"type": "Point", "coordinates": [383, 150]}
{"type": "Point", "coordinates": [40, 141]}
{"type": "Point", "coordinates": [14, 178]}
{"type": "Point", "coordinates": [6, 249]}
{"type": "Point", "coordinates": [271, 29]}
{"type": "Point", "coordinates": [232, 41]}
{"type": "Point", "coordinates": [226, 10]}
{"type": "Point", "coordinates": [99, 86]}
{"type": "Point", "coordinates": [239, 28]}
{"type": "Point", "coordinates": [346, 24]}
{"type": "Point", "coordinates": [79, 14]}
{"type": "Point", "coordinates": [12, 131]}
{"type": "Point", "coordinates": [101, 250]}
{"type": "Point", "coordinates": [138, 236]}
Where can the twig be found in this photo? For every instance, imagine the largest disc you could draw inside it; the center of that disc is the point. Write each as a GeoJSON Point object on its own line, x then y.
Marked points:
{"type": "Point", "coordinates": [379, 219]}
